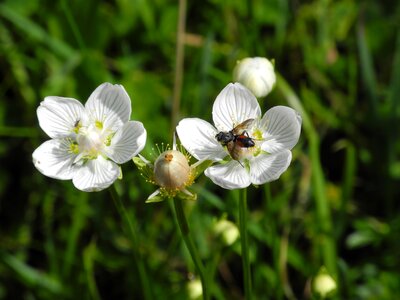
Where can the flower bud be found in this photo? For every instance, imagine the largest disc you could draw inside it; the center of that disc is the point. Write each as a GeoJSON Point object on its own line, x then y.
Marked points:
{"type": "Point", "coordinates": [257, 74]}
{"type": "Point", "coordinates": [172, 170]}
{"type": "Point", "coordinates": [227, 230]}
{"type": "Point", "coordinates": [323, 283]}
{"type": "Point", "coordinates": [194, 289]}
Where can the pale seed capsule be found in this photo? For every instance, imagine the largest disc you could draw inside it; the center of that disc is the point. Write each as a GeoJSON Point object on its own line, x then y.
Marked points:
{"type": "Point", "coordinates": [172, 170]}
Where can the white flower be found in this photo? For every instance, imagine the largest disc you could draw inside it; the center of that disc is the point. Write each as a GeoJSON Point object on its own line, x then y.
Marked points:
{"type": "Point", "coordinates": [88, 142]}
{"type": "Point", "coordinates": [257, 74]}
{"type": "Point", "coordinates": [274, 135]}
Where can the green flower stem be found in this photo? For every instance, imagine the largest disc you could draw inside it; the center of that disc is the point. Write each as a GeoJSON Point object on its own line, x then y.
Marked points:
{"type": "Point", "coordinates": [244, 243]}
{"type": "Point", "coordinates": [184, 228]}
{"type": "Point", "coordinates": [179, 62]}
{"type": "Point", "coordinates": [72, 23]}
{"type": "Point", "coordinates": [78, 220]}
{"type": "Point", "coordinates": [145, 283]}
{"type": "Point", "coordinates": [327, 241]}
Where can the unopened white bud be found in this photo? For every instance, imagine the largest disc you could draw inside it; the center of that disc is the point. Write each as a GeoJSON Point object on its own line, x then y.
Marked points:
{"type": "Point", "coordinates": [257, 74]}
{"type": "Point", "coordinates": [195, 290]}
{"type": "Point", "coordinates": [227, 230]}
{"type": "Point", "coordinates": [324, 284]}
{"type": "Point", "coordinates": [172, 170]}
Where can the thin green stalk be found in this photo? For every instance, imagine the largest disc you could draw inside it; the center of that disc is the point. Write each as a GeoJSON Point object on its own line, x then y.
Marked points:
{"type": "Point", "coordinates": [145, 283]}
{"type": "Point", "coordinates": [244, 243]}
{"type": "Point", "coordinates": [48, 229]}
{"type": "Point", "coordinates": [327, 241]}
{"type": "Point", "coordinates": [349, 176]}
{"type": "Point", "coordinates": [89, 254]}
{"type": "Point", "coordinates": [185, 231]}
{"type": "Point", "coordinates": [78, 220]}
{"type": "Point", "coordinates": [179, 59]}
{"type": "Point", "coordinates": [282, 262]}
{"type": "Point", "coordinates": [367, 66]}
{"type": "Point", "coordinates": [72, 23]}
{"type": "Point", "coordinates": [275, 243]}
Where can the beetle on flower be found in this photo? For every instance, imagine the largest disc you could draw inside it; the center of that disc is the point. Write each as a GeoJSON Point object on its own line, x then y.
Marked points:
{"type": "Point", "coordinates": [274, 135]}
{"type": "Point", "coordinates": [88, 142]}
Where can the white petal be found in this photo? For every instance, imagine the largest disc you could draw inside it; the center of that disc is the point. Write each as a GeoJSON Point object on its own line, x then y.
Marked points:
{"type": "Point", "coordinates": [95, 175]}
{"type": "Point", "coordinates": [110, 105]}
{"type": "Point", "coordinates": [265, 168]}
{"type": "Point", "coordinates": [53, 159]}
{"type": "Point", "coordinates": [58, 116]}
{"type": "Point", "coordinates": [198, 137]}
{"type": "Point", "coordinates": [234, 105]}
{"type": "Point", "coordinates": [127, 142]}
{"type": "Point", "coordinates": [281, 128]}
{"type": "Point", "coordinates": [229, 176]}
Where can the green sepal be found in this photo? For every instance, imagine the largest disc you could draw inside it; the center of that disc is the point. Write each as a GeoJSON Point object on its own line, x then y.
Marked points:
{"type": "Point", "coordinates": [200, 168]}
{"type": "Point", "coordinates": [184, 196]}
{"type": "Point", "coordinates": [139, 162]}
{"type": "Point", "coordinates": [120, 176]}
{"type": "Point", "coordinates": [155, 199]}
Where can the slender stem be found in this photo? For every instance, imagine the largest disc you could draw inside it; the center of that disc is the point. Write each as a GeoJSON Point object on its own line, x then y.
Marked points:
{"type": "Point", "coordinates": [349, 176]}
{"type": "Point", "coordinates": [184, 228]}
{"type": "Point", "coordinates": [179, 58]}
{"type": "Point", "coordinates": [73, 24]}
{"type": "Point", "coordinates": [327, 242]}
{"type": "Point", "coordinates": [145, 283]}
{"type": "Point", "coordinates": [78, 220]}
{"type": "Point", "coordinates": [244, 243]}
{"type": "Point", "coordinates": [275, 240]}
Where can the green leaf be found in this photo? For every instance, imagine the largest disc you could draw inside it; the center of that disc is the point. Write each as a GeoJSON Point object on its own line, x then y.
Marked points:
{"type": "Point", "coordinates": [36, 32]}
{"type": "Point", "coordinates": [31, 276]}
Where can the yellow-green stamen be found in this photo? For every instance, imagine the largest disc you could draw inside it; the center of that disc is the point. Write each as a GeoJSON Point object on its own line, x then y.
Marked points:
{"type": "Point", "coordinates": [257, 134]}
{"type": "Point", "coordinates": [99, 125]}
{"type": "Point", "coordinates": [107, 141]}
{"type": "Point", "coordinates": [74, 148]}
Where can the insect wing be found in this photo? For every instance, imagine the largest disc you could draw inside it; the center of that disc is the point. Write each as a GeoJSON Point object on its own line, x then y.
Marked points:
{"type": "Point", "coordinates": [244, 126]}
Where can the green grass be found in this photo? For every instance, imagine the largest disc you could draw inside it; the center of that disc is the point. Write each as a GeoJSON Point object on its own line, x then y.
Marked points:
{"type": "Point", "coordinates": [336, 206]}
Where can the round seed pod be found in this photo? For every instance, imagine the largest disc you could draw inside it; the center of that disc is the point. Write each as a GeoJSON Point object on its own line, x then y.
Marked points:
{"type": "Point", "coordinates": [171, 170]}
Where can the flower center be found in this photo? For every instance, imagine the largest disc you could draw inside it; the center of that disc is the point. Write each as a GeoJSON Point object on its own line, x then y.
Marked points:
{"type": "Point", "coordinates": [91, 141]}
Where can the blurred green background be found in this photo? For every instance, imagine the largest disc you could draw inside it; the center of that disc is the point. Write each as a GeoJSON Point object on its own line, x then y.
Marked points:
{"type": "Point", "coordinates": [337, 205]}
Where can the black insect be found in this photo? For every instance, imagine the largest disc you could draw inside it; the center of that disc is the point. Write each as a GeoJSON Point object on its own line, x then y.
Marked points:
{"type": "Point", "coordinates": [236, 139]}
